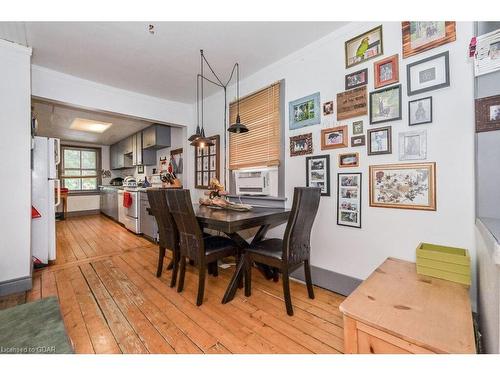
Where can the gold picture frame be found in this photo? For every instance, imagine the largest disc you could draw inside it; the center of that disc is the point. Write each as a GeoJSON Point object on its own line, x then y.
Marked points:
{"type": "Point", "coordinates": [336, 137]}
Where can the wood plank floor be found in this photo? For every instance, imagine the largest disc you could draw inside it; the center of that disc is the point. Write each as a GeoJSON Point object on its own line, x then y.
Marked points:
{"type": "Point", "coordinates": [112, 302]}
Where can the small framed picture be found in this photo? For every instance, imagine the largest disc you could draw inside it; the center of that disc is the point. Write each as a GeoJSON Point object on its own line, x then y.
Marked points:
{"type": "Point", "coordinates": [356, 79]}
{"type": "Point", "coordinates": [349, 199]}
{"type": "Point", "coordinates": [488, 114]}
{"type": "Point", "coordinates": [318, 173]}
{"type": "Point", "coordinates": [140, 169]}
{"type": "Point", "coordinates": [386, 71]}
{"type": "Point", "coordinates": [304, 111]}
{"type": "Point", "coordinates": [420, 36]}
{"type": "Point", "coordinates": [385, 105]}
{"type": "Point", "coordinates": [420, 111]}
{"type": "Point", "coordinates": [357, 127]}
{"type": "Point", "coordinates": [349, 160]}
{"type": "Point", "coordinates": [364, 47]}
{"type": "Point", "coordinates": [380, 141]}
{"type": "Point", "coordinates": [487, 58]}
{"type": "Point", "coordinates": [358, 140]}
{"type": "Point", "coordinates": [301, 144]}
{"type": "Point", "coordinates": [413, 145]}
{"type": "Point", "coordinates": [428, 74]}
{"type": "Point", "coordinates": [334, 137]}
{"type": "Point", "coordinates": [328, 108]}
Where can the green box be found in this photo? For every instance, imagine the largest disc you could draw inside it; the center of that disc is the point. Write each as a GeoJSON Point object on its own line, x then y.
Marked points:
{"type": "Point", "coordinates": [444, 262]}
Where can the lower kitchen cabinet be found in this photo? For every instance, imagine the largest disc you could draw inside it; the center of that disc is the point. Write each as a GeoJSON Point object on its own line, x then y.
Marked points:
{"type": "Point", "coordinates": [148, 222]}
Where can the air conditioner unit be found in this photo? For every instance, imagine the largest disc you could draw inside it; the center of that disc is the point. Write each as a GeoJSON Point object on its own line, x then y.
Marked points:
{"type": "Point", "coordinates": [253, 182]}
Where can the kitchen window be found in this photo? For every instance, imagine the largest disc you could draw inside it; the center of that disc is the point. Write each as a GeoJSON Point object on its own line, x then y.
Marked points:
{"type": "Point", "coordinates": [80, 169]}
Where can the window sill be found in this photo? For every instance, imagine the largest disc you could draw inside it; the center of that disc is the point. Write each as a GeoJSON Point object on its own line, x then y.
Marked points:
{"type": "Point", "coordinates": [83, 192]}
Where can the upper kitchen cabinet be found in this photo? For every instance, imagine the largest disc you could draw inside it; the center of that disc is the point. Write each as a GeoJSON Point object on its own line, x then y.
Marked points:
{"type": "Point", "coordinates": [156, 137]}
{"type": "Point", "coordinates": [141, 156]}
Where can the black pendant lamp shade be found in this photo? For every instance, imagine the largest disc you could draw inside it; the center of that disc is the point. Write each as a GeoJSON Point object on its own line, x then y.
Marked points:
{"type": "Point", "coordinates": [237, 127]}
{"type": "Point", "coordinates": [202, 140]}
{"type": "Point", "coordinates": [195, 135]}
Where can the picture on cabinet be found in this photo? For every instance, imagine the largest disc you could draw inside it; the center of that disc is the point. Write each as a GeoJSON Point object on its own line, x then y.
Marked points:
{"type": "Point", "coordinates": [406, 186]}
{"type": "Point", "coordinates": [352, 103]}
{"type": "Point", "coordinates": [413, 145]}
{"type": "Point", "coordinates": [380, 141]}
{"type": "Point", "coordinates": [304, 111]}
{"type": "Point", "coordinates": [336, 137]}
{"type": "Point", "coordinates": [301, 144]}
{"type": "Point", "coordinates": [318, 173]}
{"type": "Point", "coordinates": [356, 79]}
{"type": "Point", "coordinates": [488, 114]}
{"type": "Point", "coordinates": [420, 111]}
{"type": "Point", "coordinates": [364, 47]}
{"type": "Point", "coordinates": [357, 127]}
{"type": "Point", "coordinates": [358, 140]}
{"type": "Point", "coordinates": [385, 105]}
{"type": "Point", "coordinates": [428, 74]}
{"type": "Point", "coordinates": [349, 160]}
{"type": "Point", "coordinates": [386, 71]}
{"type": "Point", "coordinates": [487, 57]}
{"type": "Point", "coordinates": [328, 108]}
{"type": "Point", "coordinates": [420, 36]}
{"type": "Point", "coordinates": [349, 199]}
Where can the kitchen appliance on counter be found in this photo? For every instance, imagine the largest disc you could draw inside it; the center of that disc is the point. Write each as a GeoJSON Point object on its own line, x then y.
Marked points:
{"type": "Point", "coordinates": [45, 186]}
{"type": "Point", "coordinates": [156, 181]}
{"type": "Point", "coordinates": [117, 181]}
{"type": "Point", "coordinates": [130, 182]}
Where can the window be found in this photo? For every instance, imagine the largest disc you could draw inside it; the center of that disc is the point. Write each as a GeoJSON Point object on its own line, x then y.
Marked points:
{"type": "Point", "coordinates": [80, 168]}
{"type": "Point", "coordinates": [261, 146]}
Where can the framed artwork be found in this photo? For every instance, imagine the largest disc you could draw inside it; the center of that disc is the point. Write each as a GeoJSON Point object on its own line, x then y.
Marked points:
{"type": "Point", "coordinates": [488, 114]}
{"type": "Point", "coordinates": [428, 74]}
{"type": "Point", "coordinates": [413, 145]}
{"type": "Point", "coordinates": [420, 36]}
{"type": "Point", "coordinates": [140, 169]}
{"type": "Point", "coordinates": [206, 164]}
{"type": "Point", "coordinates": [364, 47]}
{"type": "Point", "coordinates": [301, 144]}
{"type": "Point", "coordinates": [357, 127]}
{"type": "Point", "coordinates": [420, 111]}
{"type": "Point", "coordinates": [407, 186]}
{"type": "Point", "coordinates": [380, 141]}
{"type": "Point", "coordinates": [385, 105]}
{"type": "Point", "coordinates": [356, 79]}
{"type": "Point", "coordinates": [386, 71]}
{"type": "Point", "coordinates": [349, 199]}
{"type": "Point", "coordinates": [350, 160]}
{"type": "Point", "coordinates": [358, 140]}
{"type": "Point", "coordinates": [352, 103]}
{"type": "Point", "coordinates": [487, 56]}
{"type": "Point", "coordinates": [304, 111]}
{"type": "Point", "coordinates": [318, 173]}
{"type": "Point", "coordinates": [334, 137]}
{"type": "Point", "coordinates": [328, 108]}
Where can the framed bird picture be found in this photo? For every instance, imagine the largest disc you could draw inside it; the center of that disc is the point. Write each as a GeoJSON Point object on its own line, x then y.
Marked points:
{"type": "Point", "coordinates": [364, 47]}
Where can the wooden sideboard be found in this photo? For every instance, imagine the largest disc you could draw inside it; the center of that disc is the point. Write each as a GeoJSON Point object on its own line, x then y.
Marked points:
{"type": "Point", "coordinates": [395, 310]}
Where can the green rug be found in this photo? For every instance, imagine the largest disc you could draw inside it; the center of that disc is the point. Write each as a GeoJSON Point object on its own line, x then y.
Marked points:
{"type": "Point", "coordinates": [33, 328]}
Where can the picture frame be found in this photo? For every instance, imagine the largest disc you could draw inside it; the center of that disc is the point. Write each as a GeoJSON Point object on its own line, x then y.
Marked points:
{"type": "Point", "coordinates": [318, 173]}
{"type": "Point", "coordinates": [420, 111]}
{"type": "Point", "coordinates": [357, 141]}
{"type": "Point", "coordinates": [328, 108]}
{"type": "Point", "coordinates": [380, 141]}
{"type": "Point", "coordinates": [304, 111]}
{"type": "Point", "coordinates": [385, 105]}
{"type": "Point", "coordinates": [429, 74]}
{"type": "Point", "coordinates": [349, 199]}
{"type": "Point", "coordinates": [349, 160]}
{"type": "Point", "coordinates": [413, 145]}
{"type": "Point", "coordinates": [301, 144]}
{"type": "Point", "coordinates": [421, 36]}
{"type": "Point", "coordinates": [487, 114]}
{"type": "Point", "coordinates": [386, 71]}
{"type": "Point", "coordinates": [356, 79]}
{"type": "Point", "coordinates": [487, 56]}
{"type": "Point", "coordinates": [404, 186]}
{"type": "Point", "coordinates": [207, 163]}
{"type": "Point", "coordinates": [140, 169]}
{"type": "Point", "coordinates": [364, 47]}
{"type": "Point", "coordinates": [336, 137]}
{"type": "Point", "coordinates": [352, 103]}
{"type": "Point", "coordinates": [357, 127]}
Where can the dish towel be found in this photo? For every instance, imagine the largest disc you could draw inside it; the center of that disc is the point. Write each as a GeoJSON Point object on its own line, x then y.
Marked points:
{"type": "Point", "coordinates": [127, 199]}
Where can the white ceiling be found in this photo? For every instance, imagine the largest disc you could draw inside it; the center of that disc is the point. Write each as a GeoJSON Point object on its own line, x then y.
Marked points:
{"type": "Point", "coordinates": [126, 55]}
{"type": "Point", "coordinates": [54, 121]}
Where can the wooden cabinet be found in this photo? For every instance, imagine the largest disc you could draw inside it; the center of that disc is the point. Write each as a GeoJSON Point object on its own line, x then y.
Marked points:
{"type": "Point", "coordinates": [156, 137]}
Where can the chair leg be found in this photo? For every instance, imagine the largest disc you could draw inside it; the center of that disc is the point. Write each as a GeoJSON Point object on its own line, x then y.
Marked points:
{"type": "Point", "coordinates": [171, 264]}
{"type": "Point", "coordinates": [161, 256]}
{"type": "Point", "coordinates": [215, 269]}
{"type": "Point", "coordinates": [286, 292]}
{"type": "Point", "coordinates": [175, 261]}
{"type": "Point", "coordinates": [248, 277]}
{"type": "Point", "coordinates": [182, 274]}
{"type": "Point", "coordinates": [307, 273]}
{"type": "Point", "coordinates": [201, 285]}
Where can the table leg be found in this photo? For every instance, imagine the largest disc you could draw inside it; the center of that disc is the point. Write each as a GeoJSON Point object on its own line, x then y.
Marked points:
{"type": "Point", "coordinates": [268, 272]}
{"type": "Point", "coordinates": [233, 284]}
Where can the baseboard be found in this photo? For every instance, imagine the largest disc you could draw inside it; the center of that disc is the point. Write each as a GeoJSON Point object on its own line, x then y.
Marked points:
{"type": "Point", "coordinates": [82, 213]}
{"type": "Point", "coordinates": [15, 286]}
{"type": "Point", "coordinates": [336, 282]}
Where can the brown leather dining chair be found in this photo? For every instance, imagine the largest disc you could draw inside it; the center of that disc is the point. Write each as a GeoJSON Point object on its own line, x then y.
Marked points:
{"type": "Point", "coordinates": [293, 250]}
{"type": "Point", "coordinates": [202, 250]}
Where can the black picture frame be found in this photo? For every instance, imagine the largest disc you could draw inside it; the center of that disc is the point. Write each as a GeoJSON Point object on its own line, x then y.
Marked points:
{"type": "Point", "coordinates": [388, 88]}
{"type": "Point", "coordinates": [409, 111]}
{"type": "Point", "coordinates": [347, 87]}
{"type": "Point", "coordinates": [412, 92]}
{"type": "Point", "coordinates": [388, 129]}
{"type": "Point", "coordinates": [140, 169]}
{"type": "Point", "coordinates": [327, 170]}
{"type": "Point", "coordinates": [360, 198]}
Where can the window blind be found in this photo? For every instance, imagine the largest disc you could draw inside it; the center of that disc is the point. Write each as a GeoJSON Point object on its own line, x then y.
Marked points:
{"type": "Point", "coordinates": [260, 146]}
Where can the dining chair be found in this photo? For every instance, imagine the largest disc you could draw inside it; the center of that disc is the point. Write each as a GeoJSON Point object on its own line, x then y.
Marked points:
{"type": "Point", "coordinates": [167, 231]}
{"type": "Point", "coordinates": [193, 245]}
{"type": "Point", "coordinates": [293, 250]}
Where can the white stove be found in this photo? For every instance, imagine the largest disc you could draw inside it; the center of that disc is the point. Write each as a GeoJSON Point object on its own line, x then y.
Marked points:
{"type": "Point", "coordinates": [129, 216]}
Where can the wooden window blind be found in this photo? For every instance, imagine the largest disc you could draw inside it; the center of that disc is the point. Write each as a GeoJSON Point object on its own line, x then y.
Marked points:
{"type": "Point", "coordinates": [260, 146]}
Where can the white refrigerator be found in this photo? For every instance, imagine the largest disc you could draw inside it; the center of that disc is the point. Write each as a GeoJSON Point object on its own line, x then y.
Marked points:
{"type": "Point", "coordinates": [45, 197]}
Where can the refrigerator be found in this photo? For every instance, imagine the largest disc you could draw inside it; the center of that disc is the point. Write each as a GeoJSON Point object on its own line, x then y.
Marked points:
{"type": "Point", "coordinates": [45, 197]}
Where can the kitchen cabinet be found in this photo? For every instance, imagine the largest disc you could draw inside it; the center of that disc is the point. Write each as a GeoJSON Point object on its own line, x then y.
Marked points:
{"type": "Point", "coordinates": [109, 201]}
{"type": "Point", "coordinates": [130, 152]}
{"type": "Point", "coordinates": [119, 157]}
{"type": "Point", "coordinates": [156, 137]}
{"type": "Point", "coordinates": [147, 221]}
{"type": "Point", "coordinates": [141, 156]}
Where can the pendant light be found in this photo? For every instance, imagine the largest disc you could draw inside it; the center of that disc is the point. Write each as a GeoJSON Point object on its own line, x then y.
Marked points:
{"type": "Point", "coordinates": [197, 134]}
{"type": "Point", "coordinates": [237, 127]}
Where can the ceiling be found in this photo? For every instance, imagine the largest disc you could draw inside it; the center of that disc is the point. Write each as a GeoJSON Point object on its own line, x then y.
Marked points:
{"type": "Point", "coordinates": [165, 64]}
{"type": "Point", "coordinates": [54, 120]}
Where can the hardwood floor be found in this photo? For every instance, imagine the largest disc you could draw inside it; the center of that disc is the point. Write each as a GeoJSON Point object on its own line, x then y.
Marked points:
{"type": "Point", "coordinates": [112, 302]}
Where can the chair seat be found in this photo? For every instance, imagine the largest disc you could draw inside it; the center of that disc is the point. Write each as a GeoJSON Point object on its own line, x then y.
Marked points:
{"type": "Point", "coordinates": [272, 247]}
{"type": "Point", "coordinates": [216, 244]}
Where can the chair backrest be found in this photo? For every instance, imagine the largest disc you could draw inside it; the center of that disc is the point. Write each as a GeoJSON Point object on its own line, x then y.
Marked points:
{"type": "Point", "coordinates": [190, 234]}
{"type": "Point", "coordinates": [167, 230]}
{"type": "Point", "coordinates": [296, 241]}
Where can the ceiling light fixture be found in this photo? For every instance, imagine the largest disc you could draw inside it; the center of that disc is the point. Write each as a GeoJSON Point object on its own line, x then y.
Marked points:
{"type": "Point", "coordinates": [89, 125]}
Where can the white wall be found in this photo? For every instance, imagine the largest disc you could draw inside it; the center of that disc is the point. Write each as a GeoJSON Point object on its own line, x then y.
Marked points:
{"type": "Point", "coordinates": [178, 140]}
{"type": "Point", "coordinates": [386, 232]}
{"type": "Point", "coordinates": [15, 151]}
